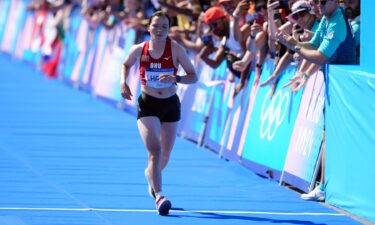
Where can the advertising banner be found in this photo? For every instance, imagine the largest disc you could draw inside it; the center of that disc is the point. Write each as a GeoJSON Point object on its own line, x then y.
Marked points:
{"type": "Point", "coordinates": [195, 103]}
{"type": "Point", "coordinates": [101, 50]}
{"type": "Point", "coordinates": [14, 25]}
{"type": "Point", "coordinates": [271, 125]}
{"type": "Point", "coordinates": [4, 9]}
{"type": "Point", "coordinates": [70, 51]}
{"type": "Point", "coordinates": [236, 121]}
{"type": "Point", "coordinates": [83, 43]}
{"type": "Point", "coordinates": [220, 106]}
{"type": "Point", "coordinates": [306, 140]}
{"type": "Point", "coordinates": [107, 84]}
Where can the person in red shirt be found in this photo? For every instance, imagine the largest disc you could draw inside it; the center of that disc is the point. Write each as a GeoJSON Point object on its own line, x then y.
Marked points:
{"type": "Point", "coordinates": [158, 105]}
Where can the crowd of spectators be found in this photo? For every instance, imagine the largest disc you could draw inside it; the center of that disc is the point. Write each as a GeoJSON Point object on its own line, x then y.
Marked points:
{"type": "Point", "coordinates": [241, 32]}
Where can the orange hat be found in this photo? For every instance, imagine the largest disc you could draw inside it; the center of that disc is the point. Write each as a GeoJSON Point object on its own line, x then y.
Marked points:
{"type": "Point", "coordinates": [221, 1]}
{"type": "Point", "coordinates": [213, 13]}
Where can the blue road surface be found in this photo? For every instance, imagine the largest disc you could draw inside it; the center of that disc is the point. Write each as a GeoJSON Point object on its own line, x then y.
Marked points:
{"type": "Point", "coordinates": [68, 158]}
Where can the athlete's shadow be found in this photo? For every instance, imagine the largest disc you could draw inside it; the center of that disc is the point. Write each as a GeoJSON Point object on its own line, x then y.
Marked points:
{"type": "Point", "coordinates": [258, 219]}
{"type": "Point", "coordinates": [219, 216]}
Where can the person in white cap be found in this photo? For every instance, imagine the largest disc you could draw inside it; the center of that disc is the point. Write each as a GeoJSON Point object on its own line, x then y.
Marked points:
{"type": "Point", "coordinates": [304, 23]}
{"type": "Point", "coordinates": [332, 43]}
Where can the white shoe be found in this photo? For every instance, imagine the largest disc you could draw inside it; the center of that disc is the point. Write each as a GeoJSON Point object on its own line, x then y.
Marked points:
{"type": "Point", "coordinates": [151, 191]}
{"type": "Point", "coordinates": [315, 195]}
{"type": "Point", "coordinates": [163, 205]}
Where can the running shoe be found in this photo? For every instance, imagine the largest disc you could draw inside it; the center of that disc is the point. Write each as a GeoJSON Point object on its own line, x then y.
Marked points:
{"type": "Point", "coordinates": [151, 191]}
{"type": "Point", "coordinates": [163, 205]}
{"type": "Point", "coordinates": [315, 195]}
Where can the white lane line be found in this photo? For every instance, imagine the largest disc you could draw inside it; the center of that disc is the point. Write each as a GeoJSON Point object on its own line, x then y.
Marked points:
{"type": "Point", "coordinates": [177, 211]}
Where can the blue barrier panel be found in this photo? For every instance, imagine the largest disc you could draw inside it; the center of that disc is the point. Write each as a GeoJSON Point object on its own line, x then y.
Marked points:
{"type": "Point", "coordinates": [235, 124]}
{"type": "Point", "coordinates": [195, 104]}
{"type": "Point", "coordinates": [85, 76]}
{"type": "Point", "coordinates": [101, 51]}
{"type": "Point", "coordinates": [33, 53]}
{"type": "Point", "coordinates": [304, 147]}
{"type": "Point", "coordinates": [367, 36]}
{"type": "Point", "coordinates": [219, 110]}
{"type": "Point", "coordinates": [82, 42]}
{"type": "Point", "coordinates": [20, 25]}
{"type": "Point", "coordinates": [350, 141]}
{"type": "Point", "coordinates": [70, 49]}
{"type": "Point", "coordinates": [271, 126]}
{"type": "Point", "coordinates": [15, 21]}
{"type": "Point", "coordinates": [220, 106]}
{"type": "Point", "coordinates": [4, 9]}
{"type": "Point", "coordinates": [107, 83]}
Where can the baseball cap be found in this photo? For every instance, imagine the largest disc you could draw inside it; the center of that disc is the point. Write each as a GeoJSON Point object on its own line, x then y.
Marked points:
{"type": "Point", "coordinates": [302, 5]}
{"type": "Point", "coordinates": [213, 13]}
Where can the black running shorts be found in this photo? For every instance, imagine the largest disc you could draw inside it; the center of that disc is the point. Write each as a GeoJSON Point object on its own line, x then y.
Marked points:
{"type": "Point", "coordinates": [166, 109]}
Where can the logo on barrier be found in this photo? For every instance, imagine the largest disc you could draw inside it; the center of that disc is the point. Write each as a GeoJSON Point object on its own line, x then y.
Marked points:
{"type": "Point", "coordinates": [272, 114]}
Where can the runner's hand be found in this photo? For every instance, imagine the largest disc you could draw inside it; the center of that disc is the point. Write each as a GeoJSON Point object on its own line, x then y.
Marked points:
{"type": "Point", "coordinates": [125, 91]}
{"type": "Point", "coordinates": [167, 78]}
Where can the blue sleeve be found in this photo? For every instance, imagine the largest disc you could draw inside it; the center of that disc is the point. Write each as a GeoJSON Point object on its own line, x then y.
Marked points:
{"type": "Point", "coordinates": [336, 33]}
{"type": "Point", "coordinates": [315, 40]}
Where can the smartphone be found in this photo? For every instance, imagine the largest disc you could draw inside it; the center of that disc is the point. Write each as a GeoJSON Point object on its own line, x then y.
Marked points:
{"type": "Point", "coordinates": [299, 29]}
{"type": "Point", "coordinates": [207, 39]}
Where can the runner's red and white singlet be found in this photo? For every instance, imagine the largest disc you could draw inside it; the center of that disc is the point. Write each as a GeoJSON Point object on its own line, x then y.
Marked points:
{"type": "Point", "coordinates": [150, 69]}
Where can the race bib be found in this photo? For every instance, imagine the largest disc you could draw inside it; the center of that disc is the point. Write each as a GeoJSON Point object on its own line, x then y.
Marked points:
{"type": "Point", "coordinates": [152, 78]}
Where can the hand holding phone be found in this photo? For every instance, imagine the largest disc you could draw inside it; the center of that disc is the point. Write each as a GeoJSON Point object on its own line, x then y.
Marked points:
{"type": "Point", "coordinates": [207, 39]}
{"type": "Point", "coordinates": [298, 29]}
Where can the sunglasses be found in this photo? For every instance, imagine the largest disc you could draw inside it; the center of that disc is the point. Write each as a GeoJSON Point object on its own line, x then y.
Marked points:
{"type": "Point", "coordinates": [214, 24]}
{"type": "Point", "coordinates": [298, 15]}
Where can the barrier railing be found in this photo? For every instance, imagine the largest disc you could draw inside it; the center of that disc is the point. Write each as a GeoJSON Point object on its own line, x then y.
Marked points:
{"type": "Point", "coordinates": [277, 137]}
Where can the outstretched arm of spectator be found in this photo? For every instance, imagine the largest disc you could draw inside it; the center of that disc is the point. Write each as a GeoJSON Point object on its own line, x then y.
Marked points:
{"type": "Point", "coordinates": [272, 25]}
{"type": "Point", "coordinates": [240, 11]}
{"type": "Point", "coordinates": [305, 49]}
{"type": "Point", "coordinates": [180, 10]}
{"type": "Point", "coordinates": [285, 60]}
{"type": "Point", "coordinates": [255, 42]}
{"type": "Point", "coordinates": [208, 50]}
{"type": "Point", "coordinates": [300, 79]}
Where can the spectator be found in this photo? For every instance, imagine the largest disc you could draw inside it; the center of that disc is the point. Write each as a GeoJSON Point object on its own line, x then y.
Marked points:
{"type": "Point", "coordinates": [352, 12]}
{"type": "Point", "coordinates": [220, 26]}
{"type": "Point", "coordinates": [333, 43]}
{"type": "Point", "coordinates": [256, 44]}
{"type": "Point", "coordinates": [189, 20]}
{"type": "Point", "coordinates": [305, 24]}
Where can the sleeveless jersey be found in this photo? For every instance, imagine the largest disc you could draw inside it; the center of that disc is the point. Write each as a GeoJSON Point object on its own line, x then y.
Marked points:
{"type": "Point", "coordinates": [150, 69]}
